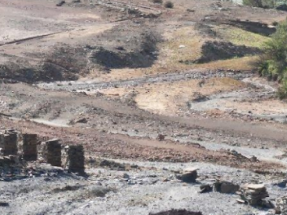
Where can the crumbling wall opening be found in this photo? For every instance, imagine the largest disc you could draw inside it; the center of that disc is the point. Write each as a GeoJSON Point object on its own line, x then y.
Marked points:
{"type": "Point", "coordinates": [30, 142]}
{"type": "Point", "coordinates": [52, 152]}
{"type": "Point", "coordinates": [8, 142]}
{"type": "Point", "coordinates": [75, 158]}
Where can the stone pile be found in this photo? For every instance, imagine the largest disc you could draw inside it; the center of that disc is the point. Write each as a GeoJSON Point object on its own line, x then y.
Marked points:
{"type": "Point", "coordinates": [75, 158]}
{"type": "Point", "coordinates": [30, 152]}
{"type": "Point", "coordinates": [281, 205]}
{"type": "Point", "coordinates": [188, 175]}
{"type": "Point", "coordinates": [8, 142]}
{"type": "Point", "coordinates": [253, 194]}
{"type": "Point", "coordinates": [51, 152]}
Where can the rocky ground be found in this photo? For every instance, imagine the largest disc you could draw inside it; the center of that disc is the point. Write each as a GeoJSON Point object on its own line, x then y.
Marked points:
{"type": "Point", "coordinates": [157, 90]}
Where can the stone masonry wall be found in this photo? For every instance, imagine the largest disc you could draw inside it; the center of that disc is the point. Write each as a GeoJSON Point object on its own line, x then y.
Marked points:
{"type": "Point", "coordinates": [30, 152]}
{"type": "Point", "coordinates": [52, 152]}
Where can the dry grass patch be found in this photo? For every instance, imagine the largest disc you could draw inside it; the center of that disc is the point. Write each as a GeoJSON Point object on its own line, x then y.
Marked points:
{"type": "Point", "coordinates": [171, 98]}
{"type": "Point", "coordinates": [184, 44]}
{"type": "Point", "coordinates": [244, 63]}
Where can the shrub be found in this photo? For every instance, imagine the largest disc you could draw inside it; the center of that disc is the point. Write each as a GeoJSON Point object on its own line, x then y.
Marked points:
{"type": "Point", "coordinates": [273, 63]}
{"type": "Point", "coordinates": [260, 3]}
{"type": "Point", "coordinates": [168, 4]}
{"type": "Point", "coordinates": [275, 23]}
{"type": "Point", "coordinates": [157, 1]}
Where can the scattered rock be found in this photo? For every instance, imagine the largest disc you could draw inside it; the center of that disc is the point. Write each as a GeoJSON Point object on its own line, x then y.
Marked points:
{"type": "Point", "coordinates": [126, 176]}
{"type": "Point", "coordinates": [67, 188]}
{"type": "Point", "coordinates": [79, 120]}
{"type": "Point", "coordinates": [190, 10]}
{"type": "Point", "coordinates": [96, 191]}
{"type": "Point", "coordinates": [4, 204]}
{"type": "Point", "coordinates": [198, 97]}
{"type": "Point", "coordinates": [205, 188]}
{"type": "Point", "coordinates": [188, 175]}
{"type": "Point", "coordinates": [281, 205]}
{"type": "Point", "coordinates": [112, 165]}
{"type": "Point", "coordinates": [281, 184]}
{"type": "Point", "coordinates": [60, 3]}
{"type": "Point", "coordinates": [6, 161]}
{"type": "Point", "coordinates": [225, 187]}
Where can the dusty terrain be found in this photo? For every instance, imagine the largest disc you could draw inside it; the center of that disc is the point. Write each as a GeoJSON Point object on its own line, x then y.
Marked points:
{"type": "Point", "coordinates": [116, 75]}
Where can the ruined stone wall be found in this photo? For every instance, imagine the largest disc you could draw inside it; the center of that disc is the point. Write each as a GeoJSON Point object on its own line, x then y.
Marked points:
{"type": "Point", "coordinates": [30, 152]}
{"type": "Point", "coordinates": [52, 152]}
{"type": "Point", "coordinates": [8, 142]}
{"type": "Point", "coordinates": [75, 158]}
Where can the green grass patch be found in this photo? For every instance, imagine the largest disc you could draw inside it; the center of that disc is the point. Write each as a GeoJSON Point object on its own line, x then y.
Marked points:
{"type": "Point", "coordinates": [238, 36]}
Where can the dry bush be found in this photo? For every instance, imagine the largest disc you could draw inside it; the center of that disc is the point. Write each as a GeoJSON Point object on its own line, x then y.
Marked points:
{"type": "Point", "coordinates": [168, 4]}
{"type": "Point", "coordinates": [157, 1]}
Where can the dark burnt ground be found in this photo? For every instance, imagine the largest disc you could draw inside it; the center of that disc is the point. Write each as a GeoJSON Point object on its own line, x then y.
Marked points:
{"type": "Point", "coordinates": [61, 63]}
{"type": "Point", "coordinates": [115, 48]}
{"type": "Point", "coordinates": [130, 51]}
{"type": "Point", "coordinates": [214, 50]}
{"type": "Point", "coordinates": [254, 27]}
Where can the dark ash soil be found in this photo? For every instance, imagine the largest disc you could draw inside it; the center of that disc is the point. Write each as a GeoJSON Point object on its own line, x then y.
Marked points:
{"type": "Point", "coordinates": [254, 27]}
{"type": "Point", "coordinates": [214, 50]}
{"type": "Point", "coordinates": [178, 212]}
